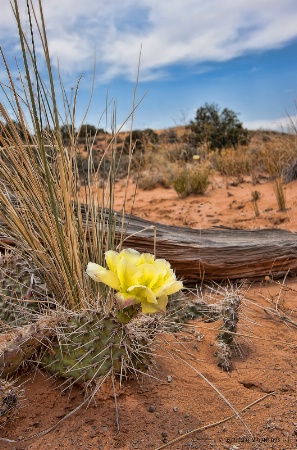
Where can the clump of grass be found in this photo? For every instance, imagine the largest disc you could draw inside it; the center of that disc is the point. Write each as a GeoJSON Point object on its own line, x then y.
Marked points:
{"type": "Point", "coordinates": [276, 155]}
{"type": "Point", "coordinates": [150, 179]}
{"type": "Point", "coordinates": [180, 182]}
{"type": "Point", "coordinates": [232, 162]}
{"type": "Point", "coordinates": [191, 180]}
{"type": "Point", "coordinates": [278, 188]}
{"type": "Point", "coordinates": [290, 172]}
{"type": "Point", "coordinates": [255, 198]}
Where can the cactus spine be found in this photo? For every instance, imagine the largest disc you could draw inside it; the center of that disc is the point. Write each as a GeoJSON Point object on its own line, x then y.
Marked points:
{"type": "Point", "coordinates": [10, 396]}
{"type": "Point", "coordinates": [91, 345]}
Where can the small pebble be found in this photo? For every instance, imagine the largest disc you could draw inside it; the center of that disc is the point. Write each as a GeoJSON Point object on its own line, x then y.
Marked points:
{"type": "Point", "coordinates": [169, 378]}
{"type": "Point", "coordinates": [174, 408]}
{"type": "Point", "coordinates": [164, 434]}
{"type": "Point", "coordinates": [152, 409]}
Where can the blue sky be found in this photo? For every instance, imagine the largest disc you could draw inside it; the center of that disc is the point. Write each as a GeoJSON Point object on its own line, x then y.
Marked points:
{"type": "Point", "coordinates": [239, 54]}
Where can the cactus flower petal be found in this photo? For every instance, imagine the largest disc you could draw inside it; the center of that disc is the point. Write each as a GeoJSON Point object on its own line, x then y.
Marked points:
{"type": "Point", "coordinates": [142, 293]}
{"type": "Point", "coordinates": [171, 288]}
{"type": "Point", "coordinates": [111, 258]}
{"type": "Point", "coordinates": [128, 274]}
{"type": "Point", "coordinates": [124, 300]}
{"type": "Point", "coordinates": [150, 308]}
{"type": "Point", "coordinates": [137, 278]}
{"type": "Point", "coordinates": [99, 273]}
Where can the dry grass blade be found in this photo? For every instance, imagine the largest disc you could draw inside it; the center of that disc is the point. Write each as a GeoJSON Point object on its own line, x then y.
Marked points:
{"type": "Point", "coordinates": [40, 209]}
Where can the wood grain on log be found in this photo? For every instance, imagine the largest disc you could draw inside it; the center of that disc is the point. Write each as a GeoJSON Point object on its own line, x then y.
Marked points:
{"type": "Point", "coordinates": [212, 254]}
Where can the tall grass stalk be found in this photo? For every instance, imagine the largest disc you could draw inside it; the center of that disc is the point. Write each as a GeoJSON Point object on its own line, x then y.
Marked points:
{"type": "Point", "coordinates": [41, 210]}
{"type": "Point", "coordinates": [278, 188]}
{"type": "Point", "coordinates": [255, 198]}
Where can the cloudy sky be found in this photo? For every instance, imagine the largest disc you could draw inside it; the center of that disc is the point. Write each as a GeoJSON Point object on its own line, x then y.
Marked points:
{"type": "Point", "coordinates": [240, 54]}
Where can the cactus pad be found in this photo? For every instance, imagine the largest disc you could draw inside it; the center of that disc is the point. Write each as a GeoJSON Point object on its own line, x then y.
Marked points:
{"type": "Point", "coordinates": [91, 345]}
{"type": "Point", "coordinates": [10, 396]}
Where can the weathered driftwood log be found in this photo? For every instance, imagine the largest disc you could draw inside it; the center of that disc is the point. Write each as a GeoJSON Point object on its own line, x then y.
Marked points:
{"type": "Point", "coordinates": [217, 253]}
{"type": "Point", "coordinates": [212, 254]}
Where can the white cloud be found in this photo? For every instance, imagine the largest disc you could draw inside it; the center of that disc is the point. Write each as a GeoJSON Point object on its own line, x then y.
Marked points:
{"type": "Point", "coordinates": [179, 31]}
{"type": "Point", "coordinates": [285, 124]}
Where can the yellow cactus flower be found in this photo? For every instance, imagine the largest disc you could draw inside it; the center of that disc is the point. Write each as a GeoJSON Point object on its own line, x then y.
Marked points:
{"type": "Point", "coordinates": [137, 278]}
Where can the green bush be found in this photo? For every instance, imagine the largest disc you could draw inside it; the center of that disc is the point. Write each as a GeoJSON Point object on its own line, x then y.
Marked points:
{"type": "Point", "coordinates": [217, 129]}
{"type": "Point", "coordinates": [191, 180]}
{"type": "Point", "coordinates": [139, 140]}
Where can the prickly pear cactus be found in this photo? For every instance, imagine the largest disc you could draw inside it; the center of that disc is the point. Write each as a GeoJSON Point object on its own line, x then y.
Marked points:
{"type": "Point", "coordinates": [225, 339]}
{"type": "Point", "coordinates": [10, 397]}
{"type": "Point", "coordinates": [184, 310]}
{"type": "Point", "coordinates": [20, 291]}
{"type": "Point", "coordinates": [20, 344]}
{"type": "Point", "coordinates": [91, 345]}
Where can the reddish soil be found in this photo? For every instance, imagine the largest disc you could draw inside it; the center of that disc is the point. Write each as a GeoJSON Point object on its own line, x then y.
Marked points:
{"type": "Point", "coordinates": [187, 390]}
{"type": "Point", "coordinates": [224, 203]}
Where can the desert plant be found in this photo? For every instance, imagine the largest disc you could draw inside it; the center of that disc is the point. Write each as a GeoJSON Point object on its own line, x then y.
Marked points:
{"type": "Point", "coordinates": [279, 193]}
{"type": "Point", "coordinates": [191, 180]}
{"type": "Point", "coordinates": [219, 303]}
{"type": "Point", "coordinates": [179, 152]}
{"type": "Point", "coordinates": [87, 130]}
{"type": "Point", "coordinates": [290, 172]}
{"type": "Point", "coordinates": [140, 140]}
{"type": "Point", "coordinates": [255, 197]}
{"type": "Point", "coordinates": [217, 129]}
{"type": "Point", "coordinates": [10, 400]}
{"type": "Point", "coordinates": [180, 182]}
{"type": "Point", "coordinates": [231, 162]}
{"type": "Point", "coordinates": [150, 179]}
{"type": "Point", "coordinates": [169, 136]}
{"type": "Point", "coordinates": [276, 154]}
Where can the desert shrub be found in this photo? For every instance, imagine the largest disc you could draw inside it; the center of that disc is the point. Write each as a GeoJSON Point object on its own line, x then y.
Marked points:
{"type": "Point", "coordinates": [169, 136]}
{"type": "Point", "coordinates": [198, 180]}
{"type": "Point", "coordinates": [231, 162]}
{"type": "Point", "coordinates": [217, 128]}
{"type": "Point", "coordinates": [180, 182]}
{"type": "Point", "coordinates": [140, 140]}
{"type": "Point", "coordinates": [290, 172]}
{"type": "Point", "coordinates": [180, 152]}
{"type": "Point", "coordinates": [87, 130]}
{"type": "Point", "coordinates": [280, 194]}
{"type": "Point", "coordinates": [191, 180]}
{"type": "Point", "coordinates": [149, 179]}
{"type": "Point", "coordinates": [277, 154]}
{"type": "Point", "coordinates": [256, 195]}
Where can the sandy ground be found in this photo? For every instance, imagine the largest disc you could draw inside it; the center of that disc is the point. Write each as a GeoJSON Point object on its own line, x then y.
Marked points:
{"type": "Point", "coordinates": [254, 406]}
{"type": "Point", "coordinates": [222, 204]}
